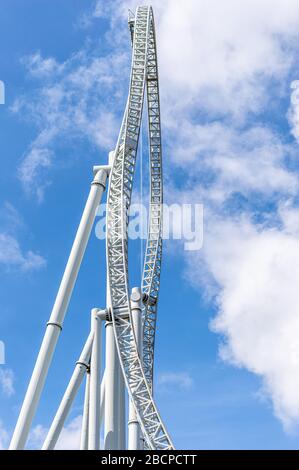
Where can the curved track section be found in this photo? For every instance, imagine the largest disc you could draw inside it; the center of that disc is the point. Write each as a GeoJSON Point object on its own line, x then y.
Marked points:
{"type": "Point", "coordinates": [153, 253]}
{"type": "Point", "coordinates": [138, 377]}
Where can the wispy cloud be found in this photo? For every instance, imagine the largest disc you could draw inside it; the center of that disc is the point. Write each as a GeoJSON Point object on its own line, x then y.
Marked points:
{"type": "Point", "coordinates": [7, 382]}
{"type": "Point", "coordinates": [256, 273]}
{"type": "Point", "coordinates": [227, 161]}
{"type": "Point", "coordinates": [70, 435]}
{"type": "Point", "coordinates": [4, 436]}
{"type": "Point", "coordinates": [181, 380]}
{"type": "Point", "coordinates": [42, 67]}
{"type": "Point", "coordinates": [293, 113]}
{"type": "Point", "coordinates": [76, 99]}
{"type": "Point", "coordinates": [224, 70]}
{"type": "Point", "coordinates": [68, 440]}
{"type": "Point", "coordinates": [98, 10]}
{"type": "Point", "coordinates": [221, 66]}
{"type": "Point", "coordinates": [12, 255]}
{"type": "Point", "coordinates": [10, 218]}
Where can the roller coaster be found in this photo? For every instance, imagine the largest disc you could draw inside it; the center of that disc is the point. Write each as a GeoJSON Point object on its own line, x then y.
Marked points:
{"type": "Point", "coordinates": [130, 315]}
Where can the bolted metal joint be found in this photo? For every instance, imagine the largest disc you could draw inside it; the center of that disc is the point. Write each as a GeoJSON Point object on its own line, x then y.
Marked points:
{"type": "Point", "coordinates": [108, 316]}
{"type": "Point", "coordinates": [103, 313]}
{"type": "Point", "coordinates": [53, 323]}
{"type": "Point", "coordinates": [148, 299]}
{"type": "Point", "coordinates": [84, 364]}
{"type": "Point", "coordinates": [100, 177]}
{"type": "Point", "coordinates": [136, 294]}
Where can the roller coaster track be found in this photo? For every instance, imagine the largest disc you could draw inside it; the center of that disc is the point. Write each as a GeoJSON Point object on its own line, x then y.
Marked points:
{"type": "Point", "coordinates": [138, 369]}
{"type": "Point", "coordinates": [137, 362]}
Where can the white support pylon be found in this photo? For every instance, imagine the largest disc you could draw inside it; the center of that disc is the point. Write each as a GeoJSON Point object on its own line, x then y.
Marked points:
{"type": "Point", "coordinates": [121, 410]}
{"type": "Point", "coordinates": [81, 366]}
{"type": "Point", "coordinates": [128, 356]}
{"type": "Point", "coordinates": [85, 417]}
{"type": "Point", "coordinates": [54, 325]}
{"type": "Point", "coordinates": [111, 391]}
{"type": "Point", "coordinates": [134, 435]}
{"type": "Point", "coordinates": [114, 420]}
{"type": "Point", "coordinates": [102, 402]}
{"type": "Point", "coordinates": [95, 389]}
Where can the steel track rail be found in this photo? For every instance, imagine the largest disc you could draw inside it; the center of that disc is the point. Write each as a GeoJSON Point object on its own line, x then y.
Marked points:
{"type": "Point", "coordinates": [153, 253]}
{"type": "Point", "coordinates": [138, 372]}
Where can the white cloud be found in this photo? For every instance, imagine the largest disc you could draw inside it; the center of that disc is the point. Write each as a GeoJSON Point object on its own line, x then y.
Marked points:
{"type": "Point", "coordinates": [11, 255]}
{"type": "Point", "coordinates": [3, 437]}
{"type": "Point", "coordinates": [227, 160]}
{"type": "Point", "coordinates": [36, 437]}
{"type": "Point", "coordinates": [7, 382]}
{"type": "Point", "coordinates": [256, 273]}
{"type": "Point", "coordinates": [10, 218]}
{"type": "Point", "coordinates": [40, 67]}
{"type": "Point", "coordinates": [70, 435]}
{"type": "Point", "coordinates": [290, 218]}
{"type": "Point", "coordinates": [35, 160]}
{"type": "Point", "coordinates": [101, 9]}
{"type": "Point", "coordinates": [221, 56]}
{"type": "Point", "coordinates": [182, 380]}
{"type": "Point", "coordinates": [211, 61]}
{"type": "Point", "coordinates": [68, 440]}
{"type": "Point", "coordinates": [222, 65]}
{"type": "Point", "coordinates": [77, 99]}
{"type": "Point", "coordinates": [293, 113]}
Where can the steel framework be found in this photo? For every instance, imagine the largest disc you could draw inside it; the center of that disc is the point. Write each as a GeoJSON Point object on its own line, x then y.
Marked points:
{"type": "Point", "coordinates": [130, 318]}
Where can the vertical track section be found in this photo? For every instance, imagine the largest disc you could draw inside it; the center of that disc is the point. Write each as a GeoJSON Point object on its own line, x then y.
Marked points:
{"type": "Point", "coordinates": [137, 370]}
{"type": "Point", "coordinates": [153, 252]}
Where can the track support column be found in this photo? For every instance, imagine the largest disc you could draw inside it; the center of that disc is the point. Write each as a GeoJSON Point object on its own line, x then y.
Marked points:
{"type": "Point", "coordinates": [121, 410]}
{"type": "Point", "coordinates": [134, 434]}
{"type": "Point", "coordinates": [54, 325]}
{"type": "Point", "coordinates": [85, 418]}
{"type": "Point", "coordinates": [81, 367]}
{"type": "Point", "coordinates": [95, 381]}
{"type": "Point", "coordinates": [111, 390]}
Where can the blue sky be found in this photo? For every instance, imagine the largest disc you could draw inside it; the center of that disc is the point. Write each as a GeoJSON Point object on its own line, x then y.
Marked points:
{"type": "Point", "coordinates": [227, 367]}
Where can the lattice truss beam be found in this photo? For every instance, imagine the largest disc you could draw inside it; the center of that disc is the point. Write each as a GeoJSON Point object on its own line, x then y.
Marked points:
{"type": "Point", "coordinates": [138, 371]}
